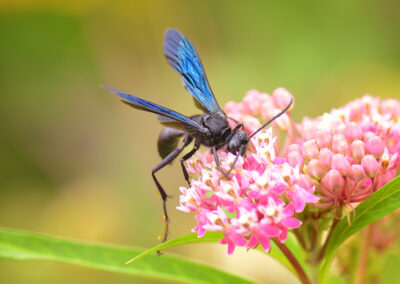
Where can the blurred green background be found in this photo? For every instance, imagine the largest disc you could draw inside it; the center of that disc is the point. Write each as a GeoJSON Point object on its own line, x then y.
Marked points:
{"type": "Point", "coordinates": [75, 162]}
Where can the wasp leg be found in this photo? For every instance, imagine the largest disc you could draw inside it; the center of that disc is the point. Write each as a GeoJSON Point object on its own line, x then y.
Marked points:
{"type": "Point", "coordinates": [168, 159]}
{"type": "Point", "coordinates": [234, 130]}
{"type": "Point", "coordinates": [214, 150]}
{"type": "Point", "coordinates": [188, 156]}
{"type": "Point", "coordinates": [241, 152]}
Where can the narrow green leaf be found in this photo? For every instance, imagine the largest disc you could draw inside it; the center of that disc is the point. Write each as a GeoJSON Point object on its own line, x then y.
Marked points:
{"type": "Point", "coordinates": [379, 204]}
{"type": "Point", "coordinates": [23, 246]}
{"type": "Point", "coordinates": [210, 237]}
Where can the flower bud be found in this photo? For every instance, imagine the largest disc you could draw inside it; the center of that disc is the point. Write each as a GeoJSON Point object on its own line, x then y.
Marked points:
{"type": "Point", "coordinates": [304, 181]}
{"type": "Point", "coordinates": [283, 121]}
{"type": "Point", "coordinates": [370, 165]}
{"type": "Point", "coordinates": [282, 98]}
{"type": "Point", "coordinates": [353, 131]}
{"type": "Point", "coordinates": [251, 124]}
{"type": "Point", "coordinates": [340, 163]}
{"type": "Point", "coordinates": [333, 180]}
{"type": "Point", "coordinates": [357, 173]}
{"type": "Point", "coordinates": [355, 110]}
{"type": "Point", "coordinates": [323, 138]}
{"type": "Point", "coordinates": [339, 144]}
{"type": "Point", "coordinates": [294, 147]}
{"type": "Point", "coordinates": [295, 158]}
{"type": "Point", "coordinates": [390, 106]}
{"type": "Point", "coordinates": [251, 102]}
{"type": "Point", "coordinates": [375, 146]}
{"type": "Point", "coordinates": [315, 170]}
{"type": "Point", "coordinates": [325, 156]}
{"type": "Point", "coordinates": [310, 149]}
{"type": "Point", "coordinates": [263, 97]}
{"type": "Point", "coordinates": [357, 150]}
{"type": "Point", "coordinates": [308, 129]}
{"type": "Point", "coordinates": [368, 135]}
{"type": "Point", "coordinates": [233, 107]}
{"type": "Point", "coordinates": [267, 108]}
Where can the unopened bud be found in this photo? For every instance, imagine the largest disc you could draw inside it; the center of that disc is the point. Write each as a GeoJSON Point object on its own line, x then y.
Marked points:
{"type": "Point", "coordinates": [353, 131]}
{"type": "Point", "coordinates": [314, 169]}
{"type": "Point", "coordinates": [282, 98]}
{"type": "Point", "coordinates": [370, 165]}
{"type": "Point", "coordinates": [310, 149]}
{"type": "Point", "coordinates": [375, 146]}
{"type": "Point", "coordinates": [368, 135]}
{"type": "Point", "coordinates": [304, 181]}
{"type": "Point", "coordinates": [357, 173]}
{"type": "Point", "coordinates": [283, 121]}
{"type": "Point", "coordinates": [358, 150]}
{"type": "Point", "coordinates": [233, 107]}
{"type": "Point", "coordinates": [325, 156]}
{"type": "Point", "coordinates": [251, 102]}
{"type": "Point", "coordinates": [294, 147]}
{"type": "Point", "coordinates": [339, 144]}
{"type": "Point", "coordinates": [267, 108]}
{"type": "Point", "coordinates": [295, 158]}
{"type": "Point", "coordinates": [323, 138]}
{"type": "Point", "coordinates": [340, 163]}
{"type": "Point", "coordinates": [333, 180]}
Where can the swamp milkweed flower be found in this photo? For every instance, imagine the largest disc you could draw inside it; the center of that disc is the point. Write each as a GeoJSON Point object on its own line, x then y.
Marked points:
{"type": "Point", "coordinates": [337, 159]}
{"type": "Point", "coordinates": [263, 194]}
{"type": "Point", "coordinates": [350, 152]}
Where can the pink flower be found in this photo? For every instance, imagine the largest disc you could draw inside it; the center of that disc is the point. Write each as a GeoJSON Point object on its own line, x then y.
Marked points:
{"type": "Point", "coordinates": [259, 200]}
{"type": "Point", "coordinates": [339, 158]}
{"type": "Point", "coordinates": [354, 145]}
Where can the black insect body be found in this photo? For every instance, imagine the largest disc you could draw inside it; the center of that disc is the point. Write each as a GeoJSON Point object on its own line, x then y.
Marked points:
{"type": "Point", "coordinates": [210, 129]}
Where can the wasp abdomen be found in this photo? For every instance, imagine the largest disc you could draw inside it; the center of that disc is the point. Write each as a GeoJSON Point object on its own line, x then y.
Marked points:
{"type": "Point", "coordinates": [168, 140]}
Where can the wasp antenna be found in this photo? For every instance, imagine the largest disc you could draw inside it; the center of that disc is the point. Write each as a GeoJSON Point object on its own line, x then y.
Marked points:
{"type": "Point", "coordinates": [272, 119]}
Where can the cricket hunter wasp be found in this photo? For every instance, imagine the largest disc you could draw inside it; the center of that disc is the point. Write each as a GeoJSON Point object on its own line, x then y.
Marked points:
{"type": "Point", "coordinates": [210, 129]}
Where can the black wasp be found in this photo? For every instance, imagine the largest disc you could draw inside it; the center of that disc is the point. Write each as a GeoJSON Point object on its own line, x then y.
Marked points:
{"type": "Point", "coordinates": [210, 129]}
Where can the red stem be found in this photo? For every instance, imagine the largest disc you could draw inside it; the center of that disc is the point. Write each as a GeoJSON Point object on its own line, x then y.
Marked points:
{"type": "Point", "coordinates": [292, 259]}
{"type": "Point", "coordinates": [362, 264]}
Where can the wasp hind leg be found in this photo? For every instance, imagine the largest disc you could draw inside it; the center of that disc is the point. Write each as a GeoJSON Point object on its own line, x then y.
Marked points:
{"type": "Point", "coordinates": [168, 159]}
{"type": "Point", "coordinates": [188, 156]}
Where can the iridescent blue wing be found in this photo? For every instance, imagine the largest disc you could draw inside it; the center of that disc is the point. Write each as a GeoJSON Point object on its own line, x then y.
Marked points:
{"type": "Point", "coordinates": [165, 115]}
{"type": "Point", "coordinates": [183, 58]}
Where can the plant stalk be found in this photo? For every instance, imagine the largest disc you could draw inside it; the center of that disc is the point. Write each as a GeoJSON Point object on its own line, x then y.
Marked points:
{"type": "Point", "coordinates": [363, 261]}
{"type": "Point", "coordinates": [293, 260]}
{"type": "Point", "coordinates": [335, 221]}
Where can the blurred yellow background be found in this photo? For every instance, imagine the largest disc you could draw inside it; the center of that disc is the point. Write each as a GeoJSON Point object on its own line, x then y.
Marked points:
{"type": "Point", "coordinates": [76, 162]}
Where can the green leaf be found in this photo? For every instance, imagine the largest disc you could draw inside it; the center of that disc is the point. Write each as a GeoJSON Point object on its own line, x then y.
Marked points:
{"type": "Point", "coordinates": [209, 237]}
{"type": "Point", "coordinates": [379, 204]}
{"type": "Point", "coordinates": [26, 246]}
{"type": "Point", "coordinates": [275, 253]}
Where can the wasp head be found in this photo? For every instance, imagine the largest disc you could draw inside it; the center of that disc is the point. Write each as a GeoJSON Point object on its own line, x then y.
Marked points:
{"type": "Point", "coordinates": [238, 139]}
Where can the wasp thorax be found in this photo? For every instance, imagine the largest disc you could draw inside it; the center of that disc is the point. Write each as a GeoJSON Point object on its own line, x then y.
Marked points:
{"type": "Point", "coordinates": [216, 124]}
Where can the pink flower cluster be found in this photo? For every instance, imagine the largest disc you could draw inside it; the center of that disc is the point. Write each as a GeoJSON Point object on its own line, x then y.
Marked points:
{"type": "Point", "coordinates": [258, 106]}
{"type": "Point", "coordinates": [258, 201]}
{"type": "Point", "coordinates": [350, 152]}
{"type": "Point", "coordinates": [344, 155]}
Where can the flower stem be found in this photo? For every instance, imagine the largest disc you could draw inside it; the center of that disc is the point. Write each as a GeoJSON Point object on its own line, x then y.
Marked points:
{"type": "Point", "coordinates": [292, 259]}
{"type": "Point", "coordinates": [300, 239]}
{"type": "Point", "coordinates": [363, 261]}
{"type": "Point", "coordinates": [335, 221]}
